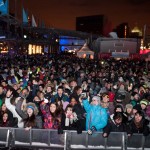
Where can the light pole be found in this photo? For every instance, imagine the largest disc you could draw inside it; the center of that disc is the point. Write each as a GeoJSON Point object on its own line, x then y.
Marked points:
{"type": "Point", "coordinates": [144, 34]}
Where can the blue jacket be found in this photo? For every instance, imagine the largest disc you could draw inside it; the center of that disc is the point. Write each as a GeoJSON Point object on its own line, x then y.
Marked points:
{"type": "Point", "coordinates": [96, 116]}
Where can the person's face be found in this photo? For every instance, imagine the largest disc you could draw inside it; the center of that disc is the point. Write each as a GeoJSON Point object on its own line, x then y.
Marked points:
{"type": "Point", "coordinates": [3, 107]}
{"type": "Point", "coordinates": [40, 88]}
{"type": "Point", "coordinates": [106, 98]}
{"type": "Point", "coordinates": [73, 84]}
{"type": "Point", "coordinates": [41, 95]}
{"type": "Point", "coordinates": [5, 117]}
{"type": "Point", "coordinates": [49, 89]}
{"type": "Point", "coordinates": [122, 87]}
{"type": "Point", "coordinates": [143, 106]}
{"type": "Point", "coordinates": [52, 108]}
{"type": "Point", "coordinates": [69, 111]}
{"type": "Point", "coordinates": [40, 82]}
{"type": "Point", "coordinates": [129, 110]}
{"type": "Point", "coordinates": [136, 90]}
{"type": "Point", "coordinates": [4, 84]}
{"type": "Point", "coordinates": [136, 96]}
{"type": "Point", "coordinates": [73, 102]}
{"type": "Point", "coordinates": [118, 121]}
{"type": "Point", "coordinates": [138, 118]}
{"type": "Point", "coordinates": [15, 86]}
{"type": "Point", "coordinates": [118, 110]}
{"type": "Point", "coordinates": [36, 98]}
{"type": "Point", "coordinates": [94, 102]}
{"type": "Point", "coordinates": [79, 91]}
{"type": "Point", "coordinates": [81, 75]}
{"type": "Point", "coordinates": [24, 92]}
{"type": "Point", "coordinates": [1, 90]}
{"type": "Point", "coordinates": [60, 91]}
{"type": "Point", "coordinates": [29, 111]}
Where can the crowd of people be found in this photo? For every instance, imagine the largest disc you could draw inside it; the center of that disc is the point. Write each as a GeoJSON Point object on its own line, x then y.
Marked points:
{"type": "Point", "coordinates": [69, 93]}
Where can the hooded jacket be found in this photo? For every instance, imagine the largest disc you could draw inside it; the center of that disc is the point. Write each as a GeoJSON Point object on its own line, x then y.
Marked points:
{"type": "Point", "coordinates": [96, 116]}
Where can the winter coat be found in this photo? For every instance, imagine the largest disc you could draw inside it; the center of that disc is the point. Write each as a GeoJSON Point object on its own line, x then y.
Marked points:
{"type": "Point", "coordinates": [63, 98]}
{"type": "Point", "coordinates": [113, 127]}
{"type": "Point", "coordinates": [24, 116]}
{"type": "Point", "coordinates": [96, 116]}
{"type": "Point", "coordinates": [49, 121]}
{"type": "Point", "coordinates": [142, 129]}
{"type": "Point", "coordinates": [74, 124]}
{"type": "Point", "coordinates": [12, 108]}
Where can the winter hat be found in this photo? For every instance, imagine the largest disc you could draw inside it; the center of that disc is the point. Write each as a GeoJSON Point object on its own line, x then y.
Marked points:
{"type": "Point", "coordinates": [134, 93]}
{"type": "Point", "coordinates": [33, 107]}
{"type": "Point", "coordinates": [144, 101]}
{"type": "Point", "coordinates": [129, 106]}
{"type": "Point", "coordinates": [118, 106]}
{"type": "Point", "coordinates": [111, 96]}
{"type": "Point", "coordinates": [121, 79]}
{"type": "Point", "coordinates": [120, 96]}
{"type": "Point", "coordinates": [102, 90]}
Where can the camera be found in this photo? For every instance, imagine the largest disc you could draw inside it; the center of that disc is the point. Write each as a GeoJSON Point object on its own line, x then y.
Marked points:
{"type": "Point", "coordinates": [83, 94]}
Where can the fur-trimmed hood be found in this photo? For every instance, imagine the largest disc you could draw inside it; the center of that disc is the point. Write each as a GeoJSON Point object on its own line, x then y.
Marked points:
{"type": "Point", "coordinates": [33, 106]}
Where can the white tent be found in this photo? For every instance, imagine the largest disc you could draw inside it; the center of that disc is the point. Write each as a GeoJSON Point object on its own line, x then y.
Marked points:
{"type": "Point", "coordinates": [85, 52]}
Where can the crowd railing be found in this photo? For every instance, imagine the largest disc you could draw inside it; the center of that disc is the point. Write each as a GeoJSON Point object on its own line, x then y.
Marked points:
{"type": "Point", "coordinates": [70, 140]}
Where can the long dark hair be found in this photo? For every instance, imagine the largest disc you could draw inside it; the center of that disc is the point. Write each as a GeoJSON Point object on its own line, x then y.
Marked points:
{"type": "Point", "coordinates": [56, 114]}
{"type": "Point", "coordinates": [30, 121]}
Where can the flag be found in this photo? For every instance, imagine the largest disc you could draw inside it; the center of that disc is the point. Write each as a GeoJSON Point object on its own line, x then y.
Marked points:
{"type": "Point", "coordinates": [3, 8]}
{"type": "Point", "coordinates": [25, 17]}
{"type": "Point", "coordinates": [33, 22]}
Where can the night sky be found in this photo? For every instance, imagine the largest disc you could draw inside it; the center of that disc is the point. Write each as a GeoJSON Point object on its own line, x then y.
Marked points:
{"type": "Point", "coordinates": [62, 14]}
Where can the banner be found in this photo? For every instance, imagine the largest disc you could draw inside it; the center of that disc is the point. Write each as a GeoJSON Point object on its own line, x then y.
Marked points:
{"type": "Point", "coordinates": [135, 56]}
{"type": "Point", "coordinates": [120, 54]}
{"type": "Point", "coordinates": [104, 55]}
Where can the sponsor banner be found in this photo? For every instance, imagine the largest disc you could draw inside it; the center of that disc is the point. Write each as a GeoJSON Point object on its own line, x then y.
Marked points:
{"type": "Point", "coordinates": [104, 55]}
{"type": "Point", "coordinates": [120, 54]}
{"type": "Point", "coordinates": [135, 56]}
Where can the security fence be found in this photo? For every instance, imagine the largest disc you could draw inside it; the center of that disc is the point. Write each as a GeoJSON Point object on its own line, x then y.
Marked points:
{"type": "Point", "coordinates": [11, 138]}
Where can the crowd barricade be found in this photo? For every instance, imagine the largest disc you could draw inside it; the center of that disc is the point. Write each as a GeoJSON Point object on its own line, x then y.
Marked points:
{"type": "Point", "coordinates": [70, 140]}
{"type": "Point", "coordinates": [136, 141]}
{"type": "Point", "coordinates": [147, 142]}
{"type": "Point", "coordinates": [4, 137]}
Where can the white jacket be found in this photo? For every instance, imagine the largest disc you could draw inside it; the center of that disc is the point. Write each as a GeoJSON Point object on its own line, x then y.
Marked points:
{"type": "Point", "coordinates": [12, 108]}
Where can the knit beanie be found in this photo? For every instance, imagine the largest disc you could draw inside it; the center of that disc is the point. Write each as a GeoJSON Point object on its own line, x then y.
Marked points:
{"type": "Point", "coordinates": [144, 101]}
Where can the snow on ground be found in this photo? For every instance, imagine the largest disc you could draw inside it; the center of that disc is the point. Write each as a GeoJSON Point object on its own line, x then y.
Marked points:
{"type": "Point", "coordinates": [21, 143]}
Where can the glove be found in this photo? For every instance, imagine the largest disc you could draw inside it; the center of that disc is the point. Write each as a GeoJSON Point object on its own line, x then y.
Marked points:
{"type": "Point", "coordinates": [60, 131]}
{"type": "Point", "coordinates": [79, 131]}
{"type": "Point", "coordinates": [45, 100]}
{"type": "Point", "coordinates": [90, 131]}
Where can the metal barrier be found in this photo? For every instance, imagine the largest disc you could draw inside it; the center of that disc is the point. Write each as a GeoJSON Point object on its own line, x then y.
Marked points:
{"type": "Point", "coordinates": [50, 139]}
